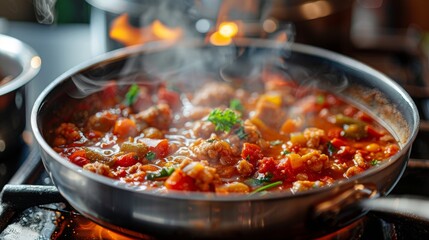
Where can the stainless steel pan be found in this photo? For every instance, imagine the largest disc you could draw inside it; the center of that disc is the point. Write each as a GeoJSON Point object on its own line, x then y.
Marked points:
{"type": "Point", "coordinates": [301, 215]}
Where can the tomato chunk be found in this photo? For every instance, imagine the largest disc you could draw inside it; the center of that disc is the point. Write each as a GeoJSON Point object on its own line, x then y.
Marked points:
{"type": "Point", "coordinates": [170, 97]}
{"type": "Point", "coordinates": [126, 160]}
{"type": "Point", "coordinates": [178, 180]}
{"type": "Point", "coordinates": [158, 146]}
{"type": "Point", "coordinates": [336, 142]}
{"type": "Point", "coordinates": [251, 152]}
{"type": "Point", "coordinates": [125, 127]}
{"type": "Point", "coordinates": [79, 158]}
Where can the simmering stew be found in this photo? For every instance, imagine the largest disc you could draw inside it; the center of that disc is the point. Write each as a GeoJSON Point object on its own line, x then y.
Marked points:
{"type": "Point", "coordinates": [221, 139]}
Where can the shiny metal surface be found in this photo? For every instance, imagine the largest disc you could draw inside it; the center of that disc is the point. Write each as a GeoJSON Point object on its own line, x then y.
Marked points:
{"type": "Point", "coordinates": [200, 215]}
{"type": "Point", "coordinates": [20, 63]}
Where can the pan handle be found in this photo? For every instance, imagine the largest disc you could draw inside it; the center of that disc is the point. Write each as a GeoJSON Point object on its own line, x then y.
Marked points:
{"type": "Point", "coordinates": [412, 208]}
{"type": "Point", "coordinates": [354, 203]}
{"type": "Point", "coordinates": [342, 209]}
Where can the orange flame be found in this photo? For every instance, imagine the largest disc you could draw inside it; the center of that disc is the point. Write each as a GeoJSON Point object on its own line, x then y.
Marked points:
{"type": "Point", "coordinates": [226, 29]}
{"type": "Point", "coordinates": [128, 35]}
{"type": "Point", "coordinates": [94, 231]}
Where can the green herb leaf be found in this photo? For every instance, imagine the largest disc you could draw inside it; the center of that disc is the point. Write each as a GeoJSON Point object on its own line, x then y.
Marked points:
{"type": "Point", "coordinates": [276, 142]}
{"type": "Point", "coordinates": [241, 133]}
{"type": "Point", "coordinates": [331, 149]}
{"type": "Point", "coordinates": [150, 156]}
{"type": "Point", "coordinates": [284, 152]}
{"type": "Point", "coordinates": [266, 187]}
{"type": "Point", "coordinates": [235, 104]}
{"type": "Point", "coordinates": [132, 94]}
{"type": "Point", "coordinates": [164, 172]}
{"type": "Point", "coordinates": [320, 99]}
{"type": "Point", "coordinates": [224, 120]}
{"type": "Point", "coordinates": [374, 162]}
{"type": "Point", "coordinates": [260, 180]}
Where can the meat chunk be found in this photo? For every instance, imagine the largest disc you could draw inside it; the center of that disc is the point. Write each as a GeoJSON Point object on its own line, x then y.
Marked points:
{"type": "Point", "coordinates": [315, 160]}
{"type": "Point", "coordinates": [214, 94]}
{"type": "Point", "coordinates": [159, 116]}
{"type": "Point", "coordinates": [137, 172]}
{"type": "Point", "coordinates": [314, 137]}
{"type": "Point", "coordinates": [299, 186]}
{"type": "Point", "coordinates": [214, 150]}
{"type": "Point", "coordinates": [270, 113]}
{"type": "Point", "coordinates": [352, 171]}
{"type": "Point", "coordinates": [99, 168]}
{"type": "Point", "coordinates": [103, 121]}
{"type": "Point", "coordinates": [244, 167]}
{"type": "Point", "coordinates": [193, 113]}
{"type": "Point", "coordinates": [66, 133]}
{"type": "Point", "coordinates": [205, 177]}
{"type": "Point", "coordinates": [203, 129]}
{"type": "Point", "coordinates": [360, 161]}
{"type": "Point", "coordinates": [140, 149]}
{"type": "Point", "coordinates": [253, 135]}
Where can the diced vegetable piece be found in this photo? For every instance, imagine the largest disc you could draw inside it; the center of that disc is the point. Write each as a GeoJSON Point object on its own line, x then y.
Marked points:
{"type": "Point", "coordinates": [352, 128]}
{"type": "Point", "coordinates": [150, 156]}
{"type": "Point", "coordinates": [178, 180]}
{"type": "Point", "coordinates": [79, 158]}
{"type": "Point", "coordinates": [298, 138]}
{"type": "Point", "coordinates": [139, 148]}
{"type": "Point", "coordinates": [289, 126]}
{"type": "Point", "coordinates": [125, 127]}
{"type": "Point", "coordinates": [372, 147]}
{"type": "Point", "coordinates": [272, 98]}
{"type": "Point", "coordinates": [158, 146]}
{"type": "Point", "coordinates": [163, 173]}
{"type": "Point", "coordinates": [132, 94]}
{"type": "Point", "coordinates": [94, 156]}
{"type": "Point", "coordinates": [295, 160]}
{"type": "Point", "coordinates": [336, 142]}
{"type": "Point", "coordinates": [355, 131]}
{"type": "Point", "coordinates": [126, 160]}
{"type": "Point", "coordinates": [341, 119]}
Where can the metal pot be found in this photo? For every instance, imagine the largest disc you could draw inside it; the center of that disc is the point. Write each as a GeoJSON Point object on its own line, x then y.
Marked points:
{"type": "Point", "coordinates": [18, 65]}
{"type": "Point", "coordinates": [302, 215]}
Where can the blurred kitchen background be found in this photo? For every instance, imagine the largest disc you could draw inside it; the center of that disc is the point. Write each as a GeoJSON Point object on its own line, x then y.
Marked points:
{"type": "Point", "coordinates": [390, 35]}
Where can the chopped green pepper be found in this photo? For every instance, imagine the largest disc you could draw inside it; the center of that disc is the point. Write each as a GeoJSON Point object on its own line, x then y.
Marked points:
{"type": "Point", "coordinates": [164, 172]}
{"type": "Point", "coordinates": [132, 94]}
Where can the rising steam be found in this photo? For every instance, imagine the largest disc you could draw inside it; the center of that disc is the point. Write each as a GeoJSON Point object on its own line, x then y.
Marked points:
{"type": "Point", "coordinates": [231, 64]}
{"type": "Point", "coordinates": [45, 11]}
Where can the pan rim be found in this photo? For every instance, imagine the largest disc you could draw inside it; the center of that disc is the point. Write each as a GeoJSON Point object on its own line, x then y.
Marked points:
{"type": "Point", "coordinates": [296, 47]}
